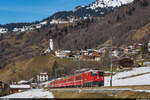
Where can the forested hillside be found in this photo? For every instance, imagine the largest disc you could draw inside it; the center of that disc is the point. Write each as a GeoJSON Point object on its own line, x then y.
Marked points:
{"type": "Point", "coordinates": [127, 24]}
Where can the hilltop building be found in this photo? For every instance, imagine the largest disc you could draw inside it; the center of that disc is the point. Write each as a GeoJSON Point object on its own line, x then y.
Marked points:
{"type": "Point", "coordinates": [42, 77]}
{"type": "Point", "coordinates": [51, 45]}
{"type": "Point", "coordinates": [50, 48]}
{"type": "Point", "coordinates": [3, 30]}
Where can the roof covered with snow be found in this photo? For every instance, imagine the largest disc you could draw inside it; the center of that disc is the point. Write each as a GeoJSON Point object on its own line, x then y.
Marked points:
{"type": "Point", "coordinates": [20, 86]}
{"type": "Point", "coordinates": [22, 82]}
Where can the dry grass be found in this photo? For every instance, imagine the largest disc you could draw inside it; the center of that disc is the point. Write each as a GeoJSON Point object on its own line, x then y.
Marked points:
{"type": "Point", "coordinates": [27, 68]}
{"type": "Point", "coordinates": [80, 95]}
{"type": "Point", "coordinates": [131, 94]}
{"type": "Point", "coordinates": [134, 87]}
{"type": "Point", "coordinates": [142, 32]}
{"type": "Point", "coordinates": [123, 94]}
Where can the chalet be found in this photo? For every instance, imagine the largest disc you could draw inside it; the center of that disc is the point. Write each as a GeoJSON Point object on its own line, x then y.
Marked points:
{"type": "Point", "coordinates": [62, 53]}
{"type": "Point", "coordinates": [148, 46]}
{"type": "Point", "coordinates": [42, 77]}
{"type": "Point", "coordinates": [92, 55]}
{"type": "Point", "coordinates": [17, 88]}
{"type": "Point", "coordinates": [3, 30]}
{"type": "Point", "coordinates": [126, 50]}
{"type": "Point", "coordinates": [58, 21]}
{"type": "Point", "coordinates": [115, 53]}
{"type": "Point", "coordinates": [23, 82]}
{"type": "Point", "coordinates": [43, 23]}
{"type": "Point", "coordinates": [16, 29]}
{"type": "Point", "coordinates": [84, 52]}
{"type": "Point", "coordinates": [38, 26]}
{"type": "Point", "coordinates": [126, 62]}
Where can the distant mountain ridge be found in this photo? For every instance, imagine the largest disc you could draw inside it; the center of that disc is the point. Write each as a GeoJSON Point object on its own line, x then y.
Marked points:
{"type": "Point", "coordinates": [97, 8]}
{"type": "Point", "coordinates": [109, 3]}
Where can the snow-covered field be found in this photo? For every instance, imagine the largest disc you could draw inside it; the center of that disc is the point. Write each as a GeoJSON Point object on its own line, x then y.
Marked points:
{"type": "Point", "coordinates": [136, 80]}
{"type": "Point", "coordinates": [33, 93]}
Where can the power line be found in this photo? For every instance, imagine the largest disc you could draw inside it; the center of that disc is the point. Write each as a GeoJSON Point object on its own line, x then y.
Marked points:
{"type": "Point", "coordinates": [111, 63]}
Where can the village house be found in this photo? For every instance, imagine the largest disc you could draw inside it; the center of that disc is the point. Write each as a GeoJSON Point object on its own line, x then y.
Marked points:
{"type": "Point", "coordinates": [62, 53]}
{"type": "Point", "coordinates": [115, 53]}
{"type": "Point", "coordinates": [23, 82]}
{"type": "Point", "coordinates": [3, 30]}
{"type": "Point", "coordinates": [58, 21]}
{"type": "Point", "coordinates": [38, 26]}
{"type": "Point", "coordinates": [23, 29]}
{"type": "Point", "coordinates": [43, 23]}
{"type": "Point", "coordinates": [91, 54]}
{"type": "Point", "coordinates": [84, 52]}
{"type": "Point", "coordinates": [148, 46]}
{"type": "Point", "coordinates": [42, 77]}
{"type": "Point", "coordinates": [18, 88]}
{"type": "Point", "coordinates": [16, 29]}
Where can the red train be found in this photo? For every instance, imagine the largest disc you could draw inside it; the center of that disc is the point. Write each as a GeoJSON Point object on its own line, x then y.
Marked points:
{"type": "Point", "coordinates": [86, 79]}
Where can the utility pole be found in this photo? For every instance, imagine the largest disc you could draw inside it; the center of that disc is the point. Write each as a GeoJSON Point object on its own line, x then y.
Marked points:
{"type": "Point", "coordinates": [111, 70]}
{"type": "Point", "coordinates": [55, 73]}
{"type": "Point", "coordinates": [78, 72]}
{"type": "Point", "coordinates": [79, 63]}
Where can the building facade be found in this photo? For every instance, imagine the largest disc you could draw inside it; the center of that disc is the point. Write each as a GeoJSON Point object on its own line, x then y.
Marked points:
{"type": "Point", "coordinates": [42, 77]}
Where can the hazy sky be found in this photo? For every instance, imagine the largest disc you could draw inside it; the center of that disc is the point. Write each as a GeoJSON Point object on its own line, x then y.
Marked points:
{"type": "Point", "coordinates": [32, 10]}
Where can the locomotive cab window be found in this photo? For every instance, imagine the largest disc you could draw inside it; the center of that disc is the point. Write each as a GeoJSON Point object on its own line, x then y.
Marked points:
{"type": "Point", "coordinates": [94, 74]}
{"type": "Point", "coordinates": [79, 77]}
{"type": "Point", "coordinates": [101, 74]}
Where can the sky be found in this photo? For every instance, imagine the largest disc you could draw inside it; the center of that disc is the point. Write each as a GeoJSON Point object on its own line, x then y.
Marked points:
{"type": "Point", "coordinates": [12, 11]}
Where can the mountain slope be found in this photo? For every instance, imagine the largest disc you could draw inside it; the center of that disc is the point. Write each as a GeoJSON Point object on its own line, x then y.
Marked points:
{"type": "Point", "coordinates": [122, 23]}
{"type": "Point", "coordinates": [125, 24]}
{"type": "Point", "coordinates": [98, 8]}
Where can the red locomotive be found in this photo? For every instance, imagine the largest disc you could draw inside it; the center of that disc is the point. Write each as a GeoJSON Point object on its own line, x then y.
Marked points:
{"type": "Point", "coordinates": [90, 78]}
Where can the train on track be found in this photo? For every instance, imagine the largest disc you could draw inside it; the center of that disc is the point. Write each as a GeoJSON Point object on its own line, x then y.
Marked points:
{"type": "Point", "coordinates": [91, 78]}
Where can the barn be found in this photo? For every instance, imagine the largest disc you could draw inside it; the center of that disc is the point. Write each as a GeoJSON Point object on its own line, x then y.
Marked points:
{"type": "Point", "coordinates": [126, 62]}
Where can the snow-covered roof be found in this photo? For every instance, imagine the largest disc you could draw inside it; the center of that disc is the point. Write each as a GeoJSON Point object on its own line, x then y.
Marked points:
{"type": "Point", "coordinates": [43, 73]}
{"type": "Point", "coordinates": [20, 86]}
{"type": "Point", "coordinates": [22, 82]}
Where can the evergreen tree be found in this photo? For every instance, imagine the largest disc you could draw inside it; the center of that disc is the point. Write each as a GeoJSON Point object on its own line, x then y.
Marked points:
{"type": "Point", "coordinates": [54, 69]}
{"type": "Point", "coordinates": [144, 48]}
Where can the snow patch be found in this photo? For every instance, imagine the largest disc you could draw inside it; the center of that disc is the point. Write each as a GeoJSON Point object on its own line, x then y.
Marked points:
{"type": "Point", "coordinates": [137, 80]}
{"type": "Point", "coordinates": [20, 86]}
{"type": "Point", "coordinates": [142, 91]}
{"type": "Point", "coordinates": [33, 93]}
{"type": "Point", "coordinates": [109, 3]}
